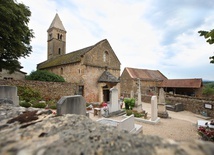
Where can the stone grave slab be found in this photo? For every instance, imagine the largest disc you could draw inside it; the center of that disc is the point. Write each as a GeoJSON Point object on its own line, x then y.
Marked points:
{"type": "Point", "coordinates": [8, 94]}
{"type": "Point", "coordinates": [75, 104]}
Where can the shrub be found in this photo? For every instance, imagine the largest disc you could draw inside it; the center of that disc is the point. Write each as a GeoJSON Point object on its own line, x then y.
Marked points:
{"type": "Point", "coordinates": [39, 105]}
{"type": "Point", "coordinates": [132, 103]}
{"type": "Point", "coordinates": [128, 112]}
{"type": "Point", "coordinates": [126, 101]}
{"type": "Point", "coordinates": [136, 114]}
{"type": "Point", "coordinates": [208, 91]}
{"type": "Point", "coordinates": [51, 104]}
{"type": "Point", "coordinates": [24, 104]}
{"type": "Point", "coordinates": [44, 75]}
{"type": "Point", "coordinates": [129, 103]}
{"type": "Point", "coordinates": [27, 94]}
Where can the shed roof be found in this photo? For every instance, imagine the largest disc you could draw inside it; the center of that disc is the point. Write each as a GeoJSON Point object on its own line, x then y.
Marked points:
{"type": "Point", "coordinates": [182, 83]}
{"type": "Point", "coordinates": [145, 74]}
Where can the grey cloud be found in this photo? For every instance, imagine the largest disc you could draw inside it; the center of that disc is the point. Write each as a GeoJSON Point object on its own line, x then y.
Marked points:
{"type": "Point", "coordinates": [173, 17]}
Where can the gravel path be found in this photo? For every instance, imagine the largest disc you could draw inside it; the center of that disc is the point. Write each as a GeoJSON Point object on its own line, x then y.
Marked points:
{"type": "Point", "coordinates": [180, 126]}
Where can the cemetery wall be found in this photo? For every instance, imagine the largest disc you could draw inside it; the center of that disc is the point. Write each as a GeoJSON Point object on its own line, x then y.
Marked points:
{"type": "Point", "coordinates": [192, 104]}
{"type": "Point", "coordinates": [195, 105]}
{"type": "Point", "coordinates": [49, 90]}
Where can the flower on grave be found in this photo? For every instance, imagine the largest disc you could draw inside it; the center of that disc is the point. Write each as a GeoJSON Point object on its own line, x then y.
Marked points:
{"type": "Point", "coordinates": [206, 133]}
{"type": "Point", "coordinates": [105, 108]}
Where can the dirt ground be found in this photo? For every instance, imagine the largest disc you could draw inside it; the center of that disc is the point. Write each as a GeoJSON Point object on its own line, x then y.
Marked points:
{"type": "Point", "coordinates": [180, 126]}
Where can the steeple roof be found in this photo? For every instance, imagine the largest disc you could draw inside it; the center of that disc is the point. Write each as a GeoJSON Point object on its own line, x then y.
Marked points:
{"type": "Point", "coordinates": [57, 23]}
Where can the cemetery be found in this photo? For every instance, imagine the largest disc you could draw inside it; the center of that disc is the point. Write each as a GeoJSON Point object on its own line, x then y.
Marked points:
{"type": "Point", "coordinates": [74, 110]}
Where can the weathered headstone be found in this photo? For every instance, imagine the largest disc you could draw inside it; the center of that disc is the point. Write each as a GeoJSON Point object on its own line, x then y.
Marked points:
{"type": "Point", "coordinates": [8, 94]}
{"type": "Point", "coordinates": [71, 105]}
{"type": "Point", "coordinates": [154, 112]}
{"type": "Point", "coordinates": [138, 104]}
{"type": "Point", "coordinates": [162, 104]}
{"type": "Point", "coordinates": [114, 100]}
{"type": "Point", "coordinates": [132, 94]}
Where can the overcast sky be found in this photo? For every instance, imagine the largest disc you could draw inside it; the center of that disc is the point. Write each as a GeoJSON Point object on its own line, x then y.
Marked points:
{"type": "Point", "coordinates": [148, 34]}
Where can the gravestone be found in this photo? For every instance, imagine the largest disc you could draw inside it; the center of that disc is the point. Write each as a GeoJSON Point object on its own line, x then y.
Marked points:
{"type": "Point", "coordinates": [8, 94]}
{"type": "Point", "coordinates": [138, 106]}
{"type": "Point", "coordinates": [114, 100]}
{"type": "Point", "coordinates": [132, 94]}
{"type": "Point", "coordinates": [71, 105]}
{"type": "Point", "coordinates": [162, 105]}
{"type": "Point", "coordinates": [154, 110]}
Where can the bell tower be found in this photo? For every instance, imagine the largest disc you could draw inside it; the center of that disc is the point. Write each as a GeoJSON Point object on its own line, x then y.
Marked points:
{"type": "Point", "coordinates": [56, 38]}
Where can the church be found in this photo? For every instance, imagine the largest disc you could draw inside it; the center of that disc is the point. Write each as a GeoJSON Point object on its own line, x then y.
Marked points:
{"type": "Point", "coordinates": [94, 70]}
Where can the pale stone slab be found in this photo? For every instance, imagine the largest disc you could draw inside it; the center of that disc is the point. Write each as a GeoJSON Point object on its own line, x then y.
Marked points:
{"type": "Point", "coordinates": [9, 94]}
{"type": "Point", "coordinates": [125, 124]}
{"type": "Point", "coordinates": [154, 109]}
{"type": "Point", "coordinates": [114, 100]}
{"type": "Point", "coordinates": [71, 105]}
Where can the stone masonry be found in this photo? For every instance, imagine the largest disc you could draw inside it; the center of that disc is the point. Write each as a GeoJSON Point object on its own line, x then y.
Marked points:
{"type": "Point", "coordinates": [46, 134]}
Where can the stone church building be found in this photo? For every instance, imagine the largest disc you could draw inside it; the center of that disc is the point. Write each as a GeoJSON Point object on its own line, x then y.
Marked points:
{"type": "Point", "coordinates": [94, 70]}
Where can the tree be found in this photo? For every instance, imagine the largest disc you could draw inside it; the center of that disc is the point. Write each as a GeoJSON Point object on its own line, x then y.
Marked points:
{"type": "Point", "coordinates": [44, 75]}
{"type": "Point", "coordinates": [15, 36]}
{"type": "Point", "coordinates": [209, 35]}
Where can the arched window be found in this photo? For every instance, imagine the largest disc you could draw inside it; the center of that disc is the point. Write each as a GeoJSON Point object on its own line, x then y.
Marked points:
{"type": "Point", "coordinates": [105, 56]}
{"type": "Point", "coordinates": [58, 36]}
{"type": "Point", "coordinates": [61, 37]}
{"type": "Point", "coordinates": [59, 51]}
{"type": "Point", "coordinates": [50, 36]}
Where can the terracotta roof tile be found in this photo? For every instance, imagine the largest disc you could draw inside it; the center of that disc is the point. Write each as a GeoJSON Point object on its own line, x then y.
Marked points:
{"type": "Point", "coordinates": [145, 74]}
{"type": "Point", "coordinates": [182, 83]}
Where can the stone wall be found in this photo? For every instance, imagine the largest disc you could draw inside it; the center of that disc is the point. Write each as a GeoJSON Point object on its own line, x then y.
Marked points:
{"type": "Point", "coordinates": [192, 104]}
{"type": "Point", "coordinates": [195, 105]}
{"type": "Point", "coordinates": [17, 75]}
{"type": "Point", "coordinates": [42, 133]}
{"type": "Point", "coordinates": [49, 90]}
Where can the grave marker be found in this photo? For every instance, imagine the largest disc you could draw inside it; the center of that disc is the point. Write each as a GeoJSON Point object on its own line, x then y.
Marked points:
{"type": "Point", "coordinates": [71, 105]}
{"type": "Point", "coordinates": [162, 104]}
{"type": "Point", "coordinates": [8, 94]}
{"type": "Point", "coordinates": [154, 112]}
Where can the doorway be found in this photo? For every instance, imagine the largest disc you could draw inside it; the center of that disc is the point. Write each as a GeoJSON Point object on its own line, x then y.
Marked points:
{"type": "Point", "coordinates": [106, 95]}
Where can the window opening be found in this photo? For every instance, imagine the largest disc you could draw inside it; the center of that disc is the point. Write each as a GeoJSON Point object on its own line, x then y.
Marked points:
{"type": "Point", "coordinates": [81, 90]}
{"type": "Point", "coordinates": [61, 71]}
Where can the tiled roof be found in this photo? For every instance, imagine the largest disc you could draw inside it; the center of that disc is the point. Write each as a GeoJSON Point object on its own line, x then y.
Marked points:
{"type": "Point", "coordinates": [57, 23]}
{"type": "Point", "coordinates": [145, 74]}
{"type": "Point", "coordinates": [68, 58]}
{"type": "Point", "coordinates": [108, 77]}
{"type": "Point", "coordinates": [182, 83]}
{"type": "Point", "coordinates": [71, 57]}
